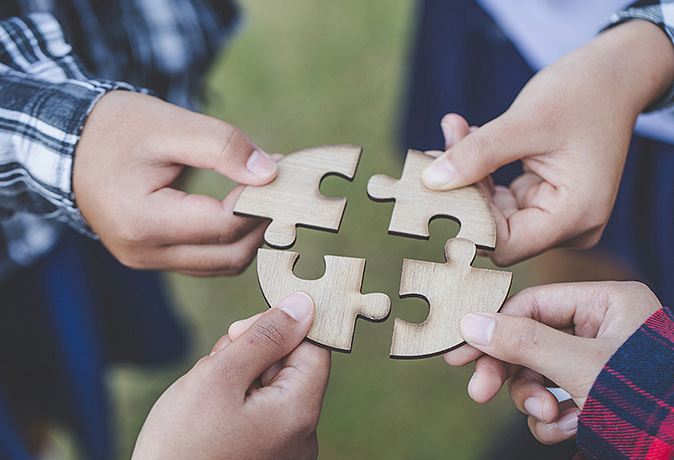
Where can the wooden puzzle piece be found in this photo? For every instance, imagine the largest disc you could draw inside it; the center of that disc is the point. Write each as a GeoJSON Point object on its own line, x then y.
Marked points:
{"type": "Point", "coordinates": [293, 198]}
{"type": "Point", "coordinates": [452, 290]}
{"type": "Point", "coordinates": [415, 205]}
{"type": "Point", "coordinates": [336, 295]}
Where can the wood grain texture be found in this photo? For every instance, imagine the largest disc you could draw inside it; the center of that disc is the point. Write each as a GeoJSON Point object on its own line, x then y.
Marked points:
{"type": "Point", "coordinates": [415, 205]}
{"type": "Point", "coordinates": [452, 290]}
{"type": "Point", "coordinates": [336, 294]}
{"type": "Point", "coordinates": [293, 198]}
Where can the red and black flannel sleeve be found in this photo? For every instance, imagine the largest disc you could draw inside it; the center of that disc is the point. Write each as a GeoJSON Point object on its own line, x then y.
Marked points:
{"type": "Point", "coordinates": [629, 413]}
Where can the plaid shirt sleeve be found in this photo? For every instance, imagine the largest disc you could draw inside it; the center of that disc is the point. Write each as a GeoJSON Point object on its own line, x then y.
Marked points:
{"type": "Point", "coordinates": [45, 97]}
{"type": "Point", "coordinates": [629, 413]}
{"type": "Point", "coordinates": [659, 12]}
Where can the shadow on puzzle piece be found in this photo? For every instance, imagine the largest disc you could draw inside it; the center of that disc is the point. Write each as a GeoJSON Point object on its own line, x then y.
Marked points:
{"type": "Point", "coordinates": [293, 198]}
{"type": "Point", "coordinates": [337, 295]}
{"type": "Point", "coordinates": [452, 290]}
{"type": "Point", "coordinates": [415, 205]}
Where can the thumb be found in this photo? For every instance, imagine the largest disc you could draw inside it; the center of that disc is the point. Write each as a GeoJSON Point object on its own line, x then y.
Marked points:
{"type": "Point", "coordinates": [567, 360]}
{"type": "Point", "coordinates": [204, 142]}
{"type": "Point", "coordinates": [478, 154]}
{"type": "Point", "coordinates": [272, 337]}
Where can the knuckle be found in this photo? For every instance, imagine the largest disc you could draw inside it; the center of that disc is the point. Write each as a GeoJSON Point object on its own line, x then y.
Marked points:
{"type": "Point", "coordinates": [238, 263]}
{"type": "Point", "coordinates": [521, 340]}
{"type": "Point", "coordinates": [270, 335]}
{"type": "Point", "coordinates": [232, 142]}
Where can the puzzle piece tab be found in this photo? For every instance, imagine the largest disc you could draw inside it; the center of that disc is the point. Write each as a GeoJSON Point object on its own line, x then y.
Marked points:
{"type": "Point", "coordinates": [293, 199]}
{"type": "Point", "coordinates": [415, 205]}
{"type": "Point", "coordinates": [336, 295]}
{"type": "Point", "coordinates": [453, 290]}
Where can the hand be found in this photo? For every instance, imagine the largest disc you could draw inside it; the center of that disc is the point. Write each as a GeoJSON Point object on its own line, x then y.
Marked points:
{"type": "Point", "coordinates": [133, 148]}
{"type": "Point", "coordinates": [571, 126]}
{"type": "Point", "coordinates": [561, 333]}
{"type": "Point", "coordinates": [237, 403]}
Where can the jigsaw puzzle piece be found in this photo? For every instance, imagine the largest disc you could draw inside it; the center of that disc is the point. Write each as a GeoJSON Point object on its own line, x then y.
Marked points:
{"type": "Point", "coordinates": [415, 205]}
{"type": "Point", "coordinates": [293, 198]}
{"type": "Point", "coordinates": [452, 290]}
{"type": "Point", "coordinates": [336, 295]}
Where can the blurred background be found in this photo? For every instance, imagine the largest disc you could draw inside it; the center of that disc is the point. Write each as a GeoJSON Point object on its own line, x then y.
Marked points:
{"type": "Point", "coordinates": [300, 74]}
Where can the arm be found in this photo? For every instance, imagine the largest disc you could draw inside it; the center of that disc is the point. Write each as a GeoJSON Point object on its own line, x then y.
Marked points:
{"type": "Point", "coordinates": [106, 162]}
{"type": "Point", "coordinates": [257, 396]}
{"type": "Point", "coordinates": [45, 99]}
{"type": "Point", "coordinates": [571, 126]}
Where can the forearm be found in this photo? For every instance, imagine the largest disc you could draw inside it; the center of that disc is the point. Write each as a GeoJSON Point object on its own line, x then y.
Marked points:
{"type": "Point", "coordinates": [639, 57]}
{"type": "Point", "coordinates": [45, 98]}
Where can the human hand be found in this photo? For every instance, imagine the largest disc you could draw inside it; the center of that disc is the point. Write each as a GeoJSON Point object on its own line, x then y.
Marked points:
{"type": "Point", "coordinates": [238, 403]}
{"type": "Point", "coordinates": [561, 333]}
{"type": "Point", "coordinates": [571, 126]}
{"type": "Point", "coordinates": [133, 148]}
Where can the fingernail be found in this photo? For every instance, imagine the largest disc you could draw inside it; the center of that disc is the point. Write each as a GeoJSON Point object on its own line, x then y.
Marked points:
{"type": "Point", "coordinates": [568, 423]}
{"type": "Point", "coordinates": [261, 164]}
{"type": "Point", "coordinates": [297, 305]}
{"type": "Point", "coordinates": [439, 173]}
{"type": "Point", "coordinates": [534, 407]}
{"type": "Point", "coordinates": [477, 329]}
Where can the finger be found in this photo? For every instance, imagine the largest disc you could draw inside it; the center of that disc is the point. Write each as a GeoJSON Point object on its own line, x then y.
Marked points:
{"type": "Point", "coordinates": [504, 199]}
{"type": "Point", "coordinates": [566, 305]}
{"type": "Point", "coordinates": [572, 362]}
{"type": "Point", "coordinates": [497, 143]}
{"type": "Point", "coordinates": [187, 218]}
{"type": "Point", "coordinates": [528, 393]}
{"type": "Point", "coordinates": [271, 338]}
{"type": "Point", "coordinates": [209, 260]}
{"type": "Point", "coordinates": [269, 375]}
{"type": "Point", "coordinates": [461, 356]}
{"type": "Point", "coordinates": [560, 430]}
{"type": "Point", "coordinates": [454, 128]}
{"type": "Point", "coordinates": [207, 143]}
{"type": "Point", "coordinates": [490, 375]}
{"type": "Point", "coordinates": [306, 371]}
{"type": "Point", "coordinates": [527, 233]}
{"type": "Point", "coordinates": [221, 344]}
{"type": "Point", "coordinates": [239, 327]}
{"type": "Point", "coordinates": [525, 188]}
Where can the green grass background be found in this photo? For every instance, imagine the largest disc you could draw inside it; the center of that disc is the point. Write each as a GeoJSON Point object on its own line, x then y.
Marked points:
{"type": "Point", "coordinates": [304, 73]}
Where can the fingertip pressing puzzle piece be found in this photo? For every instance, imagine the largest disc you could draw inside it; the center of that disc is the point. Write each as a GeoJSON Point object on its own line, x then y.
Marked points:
{"type": "Point", "coordinates": [293, 198]}
{"type": "Point", "coordinates": [415, 205]}
{"type": "Point", "coordinates": [337, 295]}
{"type": "Point", "coordinates": [452, 289]}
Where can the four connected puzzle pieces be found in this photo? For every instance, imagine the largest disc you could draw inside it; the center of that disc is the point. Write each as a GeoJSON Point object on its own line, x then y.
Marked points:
{"type": "Point", "coordinates": [452, 289]}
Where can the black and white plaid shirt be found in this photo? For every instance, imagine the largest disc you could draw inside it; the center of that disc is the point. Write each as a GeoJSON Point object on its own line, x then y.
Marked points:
{"type": "Point", "coordinates": [46, 95]}
{"type": "Point", "coordinates": [57, 58]}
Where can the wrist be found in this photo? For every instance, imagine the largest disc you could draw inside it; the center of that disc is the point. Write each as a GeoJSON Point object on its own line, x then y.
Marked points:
{"type": "Point", "coordinates": [637, 61]}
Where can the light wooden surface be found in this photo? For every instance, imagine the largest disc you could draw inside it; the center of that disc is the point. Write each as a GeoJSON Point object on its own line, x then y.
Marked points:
{"type": "Point", "coordinates": [293, 198]}
{"type": "Point", "coordinates": [415, 205]}
{"type": "Point", "coordinates": [336, 294]}
{"type": "Point", "coordinates": [453, 290]}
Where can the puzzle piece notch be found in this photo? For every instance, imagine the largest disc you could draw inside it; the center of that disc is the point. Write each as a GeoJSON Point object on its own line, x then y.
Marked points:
{"type": "Point", "coordinates": [337, 295]}
{"type": "Point", "coordinates": [452, 290]}
{"type": "Point", "coordinates": [293, 198]}
{"type": "Point", "coordinates": [415, 205]}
